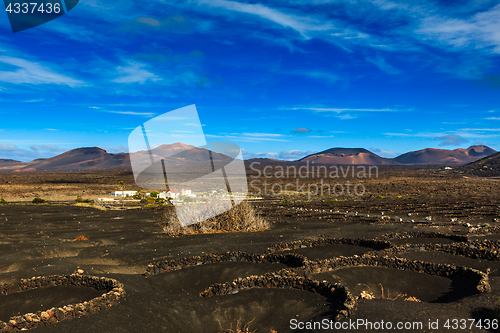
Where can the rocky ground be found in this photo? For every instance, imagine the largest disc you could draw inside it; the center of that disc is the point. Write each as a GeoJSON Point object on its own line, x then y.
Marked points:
{"type": "Point", "coordinates": [392, 259]}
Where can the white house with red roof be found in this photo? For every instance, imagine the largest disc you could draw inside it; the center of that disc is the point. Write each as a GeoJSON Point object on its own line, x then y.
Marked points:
{"type": "Point", "coordinates": [186, 191]}
{"type": "Point", "coordinates": [172, 194]}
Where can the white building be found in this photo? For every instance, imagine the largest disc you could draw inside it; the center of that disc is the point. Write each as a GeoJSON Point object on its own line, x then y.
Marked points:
{"type": "Point", "coordinates": [119, 194]}
{"type": "Point", "coordinates": [172, 194]}
{"type": "Point", "coordinates": [186, 191]}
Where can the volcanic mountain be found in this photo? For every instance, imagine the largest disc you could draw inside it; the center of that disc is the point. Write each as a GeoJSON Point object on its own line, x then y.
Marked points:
{"type": "Point", "coordinates": [347, 156]}
{"type": "Point", "coordinates": [7, 165]}
{"type": "Point", "coordinates": [432, 156]}
{"type": "Point", "coordinates": [97, 158]}
{"type": "Point", "coordinates": [80, 159]}
{"type": "Point", "coordinates": [486, 167]}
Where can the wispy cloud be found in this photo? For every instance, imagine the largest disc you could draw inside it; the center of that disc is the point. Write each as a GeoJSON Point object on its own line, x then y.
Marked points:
{"type": "Point", "coordinates": [273, 135]}
{"type": "Point", "coordinates": [477, 32]}
{"type": "Point", "coordinates": [249, 137]}
{"type": "Point", "coordinates": [134, 113]}
{"type": "Point", "coordinates": [8, 147]}
{"type": "Point", "coordinates": [320, 136]}
{"type": "Point", "coordinates": [382, 64]}
{"type": "Point", "coordinates": [50, 148]}
{"type": "Point", "coordinates": [481, 129]}
{"type": "Point", "coordinates": [301, 24]}
{"type": "Point", "coordinates": [21, 71]}
{"type": "Point", "coordinates": [324, 76]}
{"type": "Point", "coordinates": [340, 110]}
{"type": "Point", "coordinates": [134, 73]}
{"type": "Point", "coordinates": [451, 140]}
{"type": "Point", "coordinates": [288, 155]}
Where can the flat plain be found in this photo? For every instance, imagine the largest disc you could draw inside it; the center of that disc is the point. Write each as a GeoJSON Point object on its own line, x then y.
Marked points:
{"type": "Point", "coordinates": [417, 214]}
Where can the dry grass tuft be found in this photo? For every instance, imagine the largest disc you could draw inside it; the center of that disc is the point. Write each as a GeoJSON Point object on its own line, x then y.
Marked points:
{"type": "Point", "coordinates": [80, 238]}
{"type": "Point", "coordinates": [243, 217]}
{"type": "Point", "coordinates": [370, 295]}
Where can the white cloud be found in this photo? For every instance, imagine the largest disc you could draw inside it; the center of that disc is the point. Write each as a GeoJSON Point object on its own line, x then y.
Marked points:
{"type": "Point", "coordinates": [318, 75]}
{"type": "Point", "coordinates": [302, 25]}
{"type": "Point", "coordinates": [340, 110]}
{"type": "Point", "coordinates": [481, 31]}
{"type": "Point", "coordinates": [381, 63]}
{"type": "Point", "coordinates": [32, 73]}
{"type": "Point", "coordinates": [481, 129]}
{"type": "Point", "coordinates": [8, 147]}
{"type": "Point", "coordinates": [134, 73]}
{"type": "Point", "coordinates": [383, 153]}
{"type": "Point", "coordinates": [49, 148]}
{"type": "Point", "coordinates": [346, 117]}
{"type": "Point", "coordinates": [262, 134]}
{"type": "Point", "coordinates": [134, 113]}
{"type": "Point", "coordinates": [451, 140]}
{"type": "Point", "coordinates": [245, 137]}
{"type": "Point", "coordinates": [288, 155]}
{"type": "Point", "coordinates": [320, 136]}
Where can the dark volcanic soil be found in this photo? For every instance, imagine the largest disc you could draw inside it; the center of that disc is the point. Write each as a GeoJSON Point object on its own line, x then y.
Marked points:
{"type": "Point", "coordinates": [37, 240]}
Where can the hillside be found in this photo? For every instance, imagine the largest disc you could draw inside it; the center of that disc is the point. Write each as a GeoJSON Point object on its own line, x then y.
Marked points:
{"type": "Point", "coordinates": [433, 156]}
{"type": "Point", "coordinates": [347, 156]}
{"type": "Point", "coordinates": [486, 167]}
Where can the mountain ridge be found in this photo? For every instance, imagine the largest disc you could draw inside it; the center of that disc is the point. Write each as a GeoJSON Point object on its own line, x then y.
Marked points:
{"type": "Point", "coordinates": [87, 158]}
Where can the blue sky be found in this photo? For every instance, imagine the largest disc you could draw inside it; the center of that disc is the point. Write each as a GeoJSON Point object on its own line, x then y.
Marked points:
{"type": "Point", "coordinates": [279, 78]}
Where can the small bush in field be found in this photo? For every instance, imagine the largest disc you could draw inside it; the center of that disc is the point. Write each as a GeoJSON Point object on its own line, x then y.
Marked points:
{"type": "Point", "coordinates": [80, 200]}
{"type": "Point", "coordinates": [3, 202]}
{"type": "Point", "coordinates": [242, 217]}
{"type": "Point", "coordinates": [151, 205]}
{"type": "Point", "coordinates": [38, 201]}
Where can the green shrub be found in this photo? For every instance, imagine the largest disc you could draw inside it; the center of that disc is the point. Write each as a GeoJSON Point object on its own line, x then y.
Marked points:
{"type": "Point", "coordinates": [38, 200]}
{"type": "Point", "coordinates": [284, 201]}
{"type": "Point", "coordinates": [486, 225]}
{"type": "Point", "coordinates": [80, 200]}
{"type": "Point", "coordinates": [333, 200]}
{"type": "Point", "coordinates": [137, 196]}
{"type": "Point", "coordinates": [380, 197]}
{"type": "Point", "coordinates": [154, 194]}
{"type": "Point", "coordinates": [3, 202]}
{"type": "Point", "coordinates": [144, 200]}
{"type": "Point", "coordinates": [151, 205]}
{"type": "Point", "coordinates": [150, 199]}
